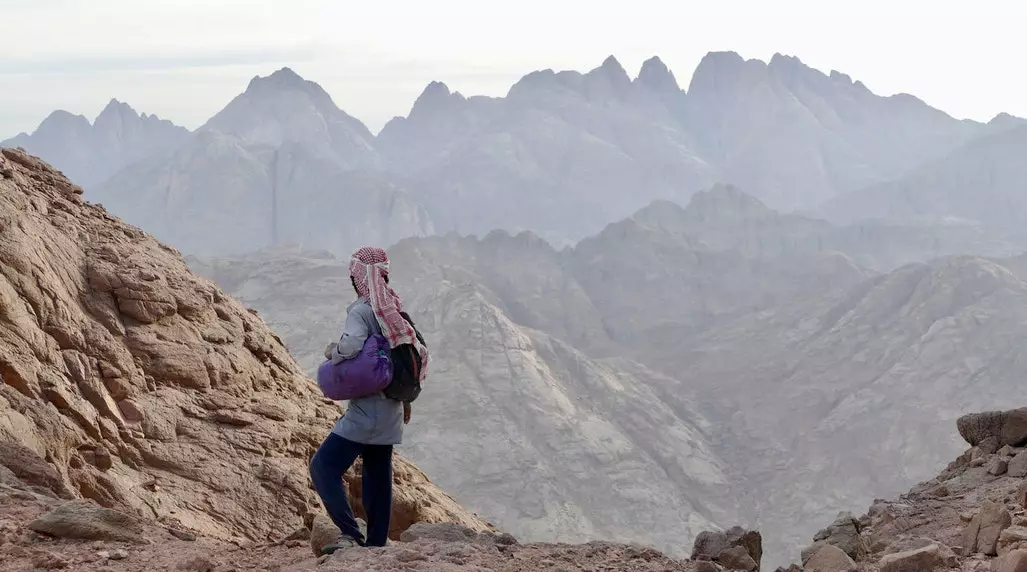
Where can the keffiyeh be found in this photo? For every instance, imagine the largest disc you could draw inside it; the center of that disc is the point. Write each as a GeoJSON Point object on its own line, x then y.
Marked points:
{"type": "Point", "coordinates": [369, 269]}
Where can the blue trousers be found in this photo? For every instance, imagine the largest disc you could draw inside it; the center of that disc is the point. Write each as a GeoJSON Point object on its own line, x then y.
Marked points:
{"type": "Point", "coordinates": [335, 456]}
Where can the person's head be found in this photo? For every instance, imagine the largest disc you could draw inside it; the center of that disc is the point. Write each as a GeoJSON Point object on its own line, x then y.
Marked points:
{"type": "Point", "coordinates": [369, 262]}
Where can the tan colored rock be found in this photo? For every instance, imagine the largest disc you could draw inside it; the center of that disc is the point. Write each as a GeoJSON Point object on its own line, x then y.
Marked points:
{"type": "Point", "coordinates": [829, 558]}
{"type": "Point", "coordinates": [1021, 495]}
{"type": "Point", "coordinates": [322, 533]}
{"type": "Point", "coordinates": [1012, 538]}
{"type": "Point", "coordinates": [736, 558]}
{"type": "Point", "coordinates": [1015, 561]}
{"type": "Point", "coordinates": [88, 521]}
{"type": "Point", "coordinates": [920, 560]}
{"type": "Point", "coordinates": [998, 466]}
{"type": "Point", "coordinates": [994, 519]}
{"type": "Point", "coordinates": [113, 353]}
{"type": "Point", "coordinates": [1018, 465]}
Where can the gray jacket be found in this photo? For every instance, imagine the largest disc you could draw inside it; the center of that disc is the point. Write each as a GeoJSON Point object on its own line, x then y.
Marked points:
{"type": "Point", "coordinates": [375, 419]}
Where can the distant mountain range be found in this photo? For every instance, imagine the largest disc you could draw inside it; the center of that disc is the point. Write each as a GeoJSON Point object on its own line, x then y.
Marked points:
{"type": "Point", "coordinates": [721, 349]}
{"type": "Point", "coordinates": [562, 154]}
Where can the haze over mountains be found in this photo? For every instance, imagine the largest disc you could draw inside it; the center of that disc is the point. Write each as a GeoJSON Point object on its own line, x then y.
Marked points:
{"type": "Point", "coordinates": [563, 154]}
{"type": "Point", "coordinates": [625, 364]}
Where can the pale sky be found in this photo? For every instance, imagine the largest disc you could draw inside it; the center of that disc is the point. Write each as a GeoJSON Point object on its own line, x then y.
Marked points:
{"type": "Point", "coordinates": [185, 59]}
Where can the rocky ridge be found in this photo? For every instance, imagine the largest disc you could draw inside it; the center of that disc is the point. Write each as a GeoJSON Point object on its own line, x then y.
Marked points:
{"type": "Point", "coordinates": [133, 384]}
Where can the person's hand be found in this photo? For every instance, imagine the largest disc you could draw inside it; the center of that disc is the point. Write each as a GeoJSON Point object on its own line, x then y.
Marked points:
{"type": "Point", "coordinates": [406, 413]}
{"type": "Point", "coordinates": [328, 350]}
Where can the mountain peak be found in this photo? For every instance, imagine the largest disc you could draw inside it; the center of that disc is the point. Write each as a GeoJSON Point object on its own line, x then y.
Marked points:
{"type": "Point", "coordinates": [435, 98]}
{"type": "Point", "coordinates": [609, 77]}
{"type": "Point", "coordinates": [113, 111]}
{"type": "Point", "coordinates": [726, 201]}
{"type": "Point", "coordinates": [284, 79]}
{"type": "Point", "coordinates": [718, 71]}
{"type": "Point", "coordinates": [657, 76]}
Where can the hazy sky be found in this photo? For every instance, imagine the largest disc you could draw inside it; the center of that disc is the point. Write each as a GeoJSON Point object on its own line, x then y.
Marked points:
{"type": "Point", "coordinates": [185, 59]}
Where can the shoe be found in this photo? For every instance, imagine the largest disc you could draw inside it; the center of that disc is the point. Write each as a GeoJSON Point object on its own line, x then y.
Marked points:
{"type": "Point", "coordinates": [342, 543]}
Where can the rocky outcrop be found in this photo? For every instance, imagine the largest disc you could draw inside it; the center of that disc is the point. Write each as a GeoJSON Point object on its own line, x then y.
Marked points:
{"type": "Point", "coordinates": [130, 382]}
{"type": "Point", "coordinates": [993, 430]}
{"type": "Point", "coordinates": [735, 548]}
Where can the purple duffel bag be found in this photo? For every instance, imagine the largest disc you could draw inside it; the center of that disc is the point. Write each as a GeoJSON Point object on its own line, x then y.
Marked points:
{"type": "Point", "coordinates": [367, 373]}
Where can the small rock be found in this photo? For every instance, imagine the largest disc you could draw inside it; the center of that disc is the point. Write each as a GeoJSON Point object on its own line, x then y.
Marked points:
{"type": "Point", "coordinates": [182, 534]}
{"type": "Point", "coordinates": [1018, 466]}
{"type": "Point", "coordinates": [301, 533]}
{"type": "Point", "coordinates": [926, 558]}
{"type": "Point", "coordinates": [1021, 495]}
{"type": "Point", "coordinates": [1012, 538]}
{"type": "Point", "coordinates": [197, 564]}
{"type": "Point", "coordinates": [1008, 451]}
{"type": "Point", "coordinates": [978, 462]}
{"type": "Point", "coordinates": [998, 466]}
{"type": "Point", "coordinates": [736, 558]}
{"type": "Point", "coordinates": [119, 554]}
{"type": "Point", "coordinates": [706, 566]}
{"type": "Point", "coordinates": [829, 558]}
{"type": "Point", "coordinates": [322, 533]}
{"type": "Point", "coordinates": [1015, 561]}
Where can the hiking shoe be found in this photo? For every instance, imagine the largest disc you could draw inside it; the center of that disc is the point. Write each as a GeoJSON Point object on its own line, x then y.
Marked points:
{"type": "Point", "coordinates": [342, 543]}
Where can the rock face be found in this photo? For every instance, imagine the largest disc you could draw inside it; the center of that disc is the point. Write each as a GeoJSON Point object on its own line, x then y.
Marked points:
{"type": "Point", "coordinates": [829, 558]}
{"type": "Point", "coordinates": [91, 153]}
{"type": "Point", "coordinates": [145, 388]}
{"type": "Point", "coordinates": [1006, 428]}
{"type": "Point", "coordinates": [931, 557]}
{"type": "Point", "coordinates": [982, 533]}
{"type": "Point", "coordinates": [844, 533]}
{"type": "Point", "coordinates": [735, 548]}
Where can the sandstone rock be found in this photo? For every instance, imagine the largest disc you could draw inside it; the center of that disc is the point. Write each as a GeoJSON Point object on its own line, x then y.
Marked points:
{"type": "Point", "coordinates": [982, 534]}
{"type": "Point", "coordinates": [919, 560]}
{"type": "Point", "coordinates": [997, 466]}
{"type": "Point", "coordinates": [1006, 427]}
{"type": "Point", "coordinates": [109, 351]}
{"type": "Point", "coordinates": [1012, 538]}
{"type": "Point", "coordinates": [322, 533]}
{"type": "Point", "coordinates": [829, 558]}
{"type": "Point", "coordinates": [1018, 465]}
{"type": "Point", "coordinates": [715, 545]}
{"type": "Point", "coordinates": [89, 521]}
{"type": "Point", "coordinates": [1015, 561]}
{"type": "Point", "coordinates": [1008, 451]}
{"type": "Point", "coordinates": [26, 465]}
{"type": "Point", "coordinates": [736, 558]}
{"type": "Point", "coordinates": [844, 533]}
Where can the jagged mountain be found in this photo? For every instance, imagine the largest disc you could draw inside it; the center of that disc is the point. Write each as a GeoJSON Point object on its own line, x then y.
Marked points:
{"type": "Point", "coordinates": [794, 136]}
{"type": "Point", "coordinates": [562, 154]}
{"type": "Point", "coordinates": [980, 183]}
{"type": "Point", "coordinates": [279, 165]}
{"type": "Point", "coordinates": [90, 153]}
{"type": "Point", "coordinates": [219, 194]}
{"type": "Point", "coordinates": [285, 108]}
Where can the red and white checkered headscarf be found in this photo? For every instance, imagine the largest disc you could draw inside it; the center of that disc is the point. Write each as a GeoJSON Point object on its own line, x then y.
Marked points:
{"type": "Point", "coordinates": [369, 268]}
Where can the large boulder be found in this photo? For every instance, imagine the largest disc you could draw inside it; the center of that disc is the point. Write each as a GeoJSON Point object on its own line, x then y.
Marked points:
{"type": "Point", "coordinates": [844, 533]}
{"type": "Point", "coordinates": [983, 531]}
{"type": "Point", "coordinates": [88, 521]}
{"type": "Point", "coordinates": [718, 546]}
{"type": "Point", "coordinates": [998, 427]}
{"type": "Point", "coordinates": [920, 560]}
{"type": "Point", "coordinates": [829, 558]}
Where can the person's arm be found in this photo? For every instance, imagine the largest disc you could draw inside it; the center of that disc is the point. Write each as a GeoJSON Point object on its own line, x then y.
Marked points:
{"type": "Point", "coordinates": [353, 335]}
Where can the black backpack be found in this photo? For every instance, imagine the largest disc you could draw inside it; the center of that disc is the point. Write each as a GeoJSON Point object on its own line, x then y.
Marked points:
{"type": "Point", "coordinates": [406, 369]}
